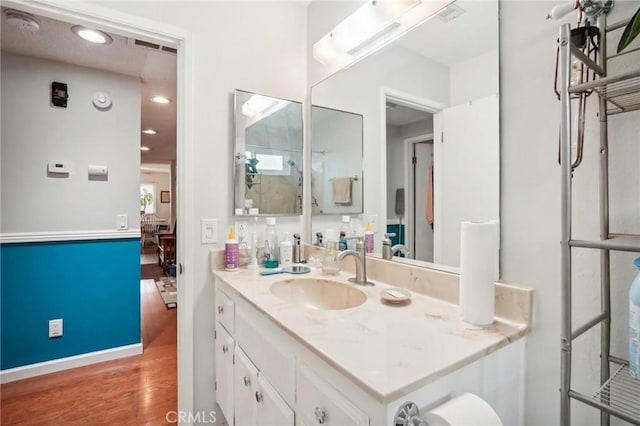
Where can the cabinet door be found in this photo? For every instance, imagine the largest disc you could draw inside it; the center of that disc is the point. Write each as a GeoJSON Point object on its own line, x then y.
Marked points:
{"type": "Point", "coordinates": [224, 372]}
{"type": "Point", "coordinates": [272, 410]}
{"type": "Point", "coordinates": [321, 403]}
{"type": "Point", "coordinates": [245, 387]}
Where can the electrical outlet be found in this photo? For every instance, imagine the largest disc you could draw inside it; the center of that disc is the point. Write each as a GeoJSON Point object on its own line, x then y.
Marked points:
{"type": "Point", "coordinates": [55, 328]}
{"type": "Point", "coordinates": [242, 230]}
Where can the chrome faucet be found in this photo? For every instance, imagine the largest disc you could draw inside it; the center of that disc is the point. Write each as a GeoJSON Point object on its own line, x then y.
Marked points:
{"type": "Point", "coordinates": [399, 248]}
{"type": "Point", "coordinates": [360, 257]}
{"type": "Point", "coordinates": [388, 251]}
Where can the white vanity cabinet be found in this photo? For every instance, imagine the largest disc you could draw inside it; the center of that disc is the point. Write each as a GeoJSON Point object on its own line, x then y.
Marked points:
{"type": "Point", "coordinates": [244, 394]}
{"type": "Point", "coordinates": [320, 377]}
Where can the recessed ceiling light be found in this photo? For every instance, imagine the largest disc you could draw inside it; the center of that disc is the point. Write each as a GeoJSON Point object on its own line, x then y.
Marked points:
{"type": "Point", "coordinates": [149, 132]}
{"type": "Point", "coordinates": [91, 35]}
{"type": "Point", "coordinates": [145, 148]}
{"type": "Point", "coordinates": [160, 100]}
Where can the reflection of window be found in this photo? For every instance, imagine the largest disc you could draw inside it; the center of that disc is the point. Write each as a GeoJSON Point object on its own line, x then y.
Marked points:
{"type": "Point", "coordinates": [267, 164]}
{"type": "Point", "coordinates": [151, 189]}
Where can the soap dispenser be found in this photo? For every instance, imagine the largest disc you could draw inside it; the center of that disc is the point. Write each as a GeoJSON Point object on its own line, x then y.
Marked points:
{"type": "Point", "coordinates": [386, 248]}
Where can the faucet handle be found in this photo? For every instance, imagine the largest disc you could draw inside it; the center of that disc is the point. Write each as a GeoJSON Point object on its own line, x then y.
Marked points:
{"type": "Point", "coordinates": [359, 242]}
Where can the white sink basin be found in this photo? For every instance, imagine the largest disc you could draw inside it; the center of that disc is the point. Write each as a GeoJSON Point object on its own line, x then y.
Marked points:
{"type": "Point", "coordinates": [318, 293]}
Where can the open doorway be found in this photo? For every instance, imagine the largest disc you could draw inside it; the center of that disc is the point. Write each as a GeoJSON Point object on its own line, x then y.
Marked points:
{"type": "Point", "coordinates": [410, 159]}
{"type": "Point", "coordinates": [119, 25]}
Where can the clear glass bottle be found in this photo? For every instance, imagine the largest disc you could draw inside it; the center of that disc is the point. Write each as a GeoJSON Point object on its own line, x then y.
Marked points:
{"type": "Point", "coordinates": [271, 248]}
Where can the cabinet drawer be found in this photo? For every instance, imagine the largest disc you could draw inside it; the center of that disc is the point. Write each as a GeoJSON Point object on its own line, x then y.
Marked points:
{"type": "Point", "coordinates": [320, 403]}
{"type": "Point", "coordinates": [224, 311]}
{"type": "Point", "coordinates": [266, 348]}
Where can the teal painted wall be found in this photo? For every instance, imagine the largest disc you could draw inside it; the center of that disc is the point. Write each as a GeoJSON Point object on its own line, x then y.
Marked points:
{"type": "Point", "coordinates": [94, 286]}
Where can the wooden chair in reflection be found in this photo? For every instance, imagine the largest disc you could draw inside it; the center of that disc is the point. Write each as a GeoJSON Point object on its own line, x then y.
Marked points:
{"type": "Point", "coordinates": [149, 224]}
{"type": "Point", "coordinates": [167, 247]}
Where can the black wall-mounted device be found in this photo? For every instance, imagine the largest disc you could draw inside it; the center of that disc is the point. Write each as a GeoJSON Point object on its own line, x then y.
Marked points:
{"type": "Point", "coordinates": [59, 94]}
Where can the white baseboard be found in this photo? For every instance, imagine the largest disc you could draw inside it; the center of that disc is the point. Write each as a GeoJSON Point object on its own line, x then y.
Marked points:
{"type": "Point", "coordinates": [40, 368]}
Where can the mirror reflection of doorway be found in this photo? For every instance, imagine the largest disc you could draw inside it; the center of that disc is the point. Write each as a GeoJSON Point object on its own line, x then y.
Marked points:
{"type": "Point", "coordinates": [409, 160]}
{"type": "Point", "coordinates": [421, 216]}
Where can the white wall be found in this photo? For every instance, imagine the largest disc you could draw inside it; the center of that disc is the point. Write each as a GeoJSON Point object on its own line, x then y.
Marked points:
{"type": "Point", "coordinates": [163, 183]}
{"type": "Point", "coordinates": [256, 46]}
{"type": "Point", "coordinates": [475, 78]}
{"type": "Point", "coordinates": [530, 204]}
{"type": "Point", "coordinates": [80, 135]}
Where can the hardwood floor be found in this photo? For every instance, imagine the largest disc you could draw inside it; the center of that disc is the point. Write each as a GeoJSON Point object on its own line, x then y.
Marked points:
{"type": "Point", "coordinates": [137, 390]}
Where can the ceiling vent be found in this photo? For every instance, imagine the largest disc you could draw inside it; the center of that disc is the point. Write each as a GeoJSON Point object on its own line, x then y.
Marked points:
{"type": "Point", "coordinates": [450, 13]}
{"type": "Point", "coordinates": [151, 46]}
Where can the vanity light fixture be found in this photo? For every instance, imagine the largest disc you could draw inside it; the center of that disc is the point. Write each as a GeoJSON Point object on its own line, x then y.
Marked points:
{"type": "Point", "coordinates": [369, 22]}
{"type": "Point", "coordinates": [91, 35]}
{"type": "Point", "coordinates": [160, 99]}
{"type": "Point", "coordinates": [145, 148]}
{"type": "Point", "coordinates": [373, 24]}
{"type": "Point", "coordinates": [149, 131]}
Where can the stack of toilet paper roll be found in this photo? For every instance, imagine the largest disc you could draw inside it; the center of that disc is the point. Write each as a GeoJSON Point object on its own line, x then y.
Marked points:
{"type": "Point", "coordinates": [465, 410]}
{"type": "Point", "coordinates": [479, 243]}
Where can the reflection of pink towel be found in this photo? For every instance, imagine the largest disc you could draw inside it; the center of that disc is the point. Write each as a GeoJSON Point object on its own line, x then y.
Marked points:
{"type": "Point", "coordinates": [341, 190]}
{"type": "Point", "coordinates": [430, 195]}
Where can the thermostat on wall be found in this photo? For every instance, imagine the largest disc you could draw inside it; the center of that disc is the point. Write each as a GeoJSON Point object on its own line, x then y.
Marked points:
{"type": "Point", "coordinates": [58, 167]}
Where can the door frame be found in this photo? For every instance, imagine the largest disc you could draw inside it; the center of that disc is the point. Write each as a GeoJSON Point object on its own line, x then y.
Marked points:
{"type": "Point", "coordinates": [409, 181]}
{"type": "Point", "coordinates": [128, 25]}
{"type": "Point", "coordinates": [411, 101]}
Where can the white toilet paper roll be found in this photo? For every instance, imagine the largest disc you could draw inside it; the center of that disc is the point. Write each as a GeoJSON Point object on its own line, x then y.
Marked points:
{"type": "Point", "coordinates": [465, 410]}
{"type": "Point", "coordinates": [478, 270]}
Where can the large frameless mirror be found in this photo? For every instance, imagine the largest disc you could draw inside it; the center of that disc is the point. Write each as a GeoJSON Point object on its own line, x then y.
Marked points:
{"type": "Point", "coordinates": [430, 107]}
{"type": "Point", "coordinates": [267, 155]}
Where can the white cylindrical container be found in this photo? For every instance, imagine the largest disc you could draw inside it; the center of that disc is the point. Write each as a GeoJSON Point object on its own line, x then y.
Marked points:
{"type": "Point", "coordinates": [464, 410]}
{"type": "Point", "coordinates": [478, 261]}
{"type": "Point", "coordinates": [286, 250]}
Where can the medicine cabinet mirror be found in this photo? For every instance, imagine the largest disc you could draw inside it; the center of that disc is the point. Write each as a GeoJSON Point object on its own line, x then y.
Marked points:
{"type": "Point", "coordinates": [336, 161]}
{"type": "Point", "coordinates": [432, 95]}
{"type": "Point", "coordinates": [268, 156]}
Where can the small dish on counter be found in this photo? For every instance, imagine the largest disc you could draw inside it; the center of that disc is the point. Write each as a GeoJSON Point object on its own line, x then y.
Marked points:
{"type": "Point", "coordinates": [395, 295]}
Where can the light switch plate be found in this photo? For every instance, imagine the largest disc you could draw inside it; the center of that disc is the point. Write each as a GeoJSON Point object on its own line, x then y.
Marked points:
{"type": "Point", "coordinates": [373, 221]}
{"type": "Point", "coordinates": [122, 222]}
{"type": "Point", "coordinates": [209, 231]}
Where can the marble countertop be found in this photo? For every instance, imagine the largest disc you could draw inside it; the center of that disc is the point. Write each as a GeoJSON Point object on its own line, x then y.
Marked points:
{"type": "Point", "coordinates": [387, 350]}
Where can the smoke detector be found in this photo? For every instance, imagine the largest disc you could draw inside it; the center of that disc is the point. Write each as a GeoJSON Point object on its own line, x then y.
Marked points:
{"type": "Point", "coordinates": [22, 20]}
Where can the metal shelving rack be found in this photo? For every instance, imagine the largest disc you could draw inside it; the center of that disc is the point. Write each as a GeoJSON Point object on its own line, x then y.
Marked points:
{"type": "Point", "coordinates": [620, 394]}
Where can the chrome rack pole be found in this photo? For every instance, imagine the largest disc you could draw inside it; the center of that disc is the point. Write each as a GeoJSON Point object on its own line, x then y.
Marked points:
{"type": "Point", "coordinates": [565, 249]}
{"type": "Point", "coordinates": [605, 293]}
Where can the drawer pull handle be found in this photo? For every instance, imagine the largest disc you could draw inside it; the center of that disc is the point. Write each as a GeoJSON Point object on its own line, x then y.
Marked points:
{"type": "Point", "coordinates": [247, 381]}
{"type": "Point", "coordinates": [258, 396]}
{"type": "Point", "coordinates": [220, 309]}
{"type": "Point", "coordinates": [225, 348]}
{"type": "Point", "coordinates": [320, 415]}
